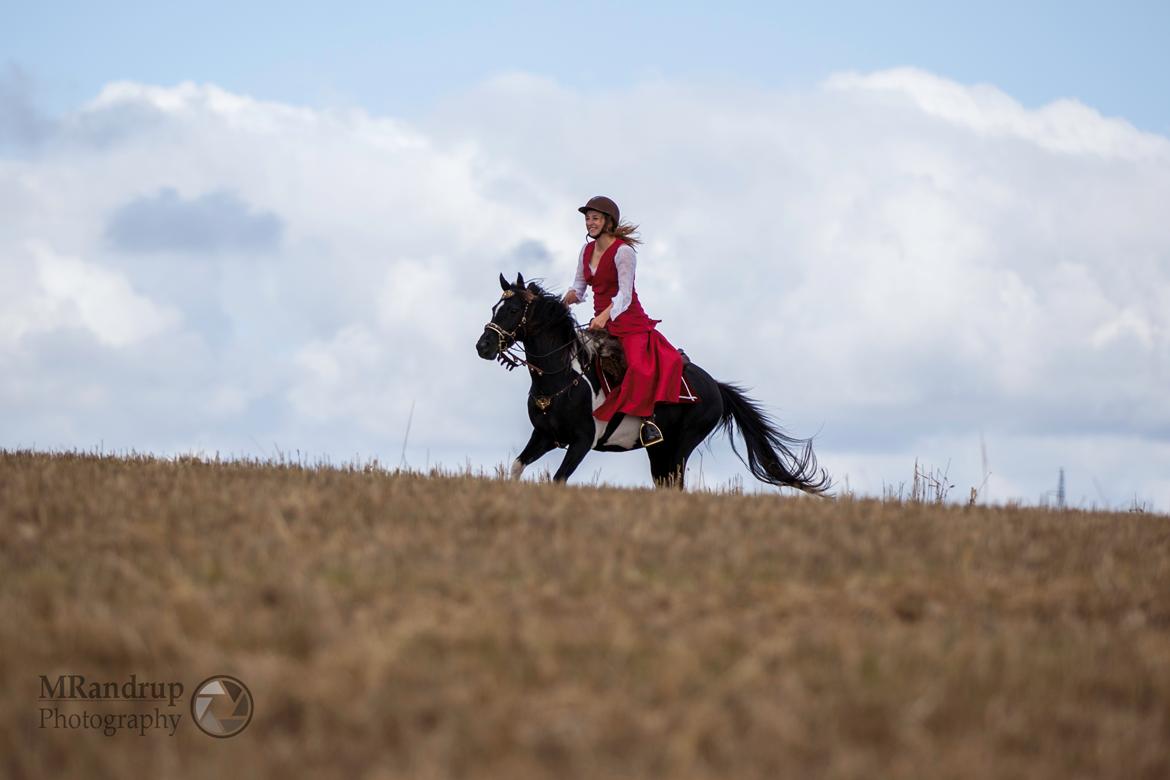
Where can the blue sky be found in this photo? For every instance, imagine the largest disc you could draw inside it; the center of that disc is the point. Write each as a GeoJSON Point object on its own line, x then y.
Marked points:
{"type": "Point", "coordinates": [397, 58]}
{"type": "Point", "coordinates": [226, 226]}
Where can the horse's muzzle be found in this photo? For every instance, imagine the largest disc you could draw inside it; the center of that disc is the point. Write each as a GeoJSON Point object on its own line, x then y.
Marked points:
{"type": "Point", "coordinates": [488, 345]}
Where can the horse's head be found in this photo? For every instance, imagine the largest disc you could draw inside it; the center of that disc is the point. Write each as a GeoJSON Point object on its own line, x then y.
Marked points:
{"type": "Point", "coordinates": [509, 317]}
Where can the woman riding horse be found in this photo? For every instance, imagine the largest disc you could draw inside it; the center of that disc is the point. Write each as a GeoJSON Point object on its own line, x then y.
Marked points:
{"type": "Point", "coordinates": [570, 403]}
{"type": "Point", "coordinates": [607, 265]}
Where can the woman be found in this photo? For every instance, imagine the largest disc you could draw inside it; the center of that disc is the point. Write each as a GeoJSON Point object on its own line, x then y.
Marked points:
{"type": "Point", "coordinates": [653, 367]}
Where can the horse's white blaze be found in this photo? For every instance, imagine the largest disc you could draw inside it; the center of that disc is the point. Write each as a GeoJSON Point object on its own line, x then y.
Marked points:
{"type": "Point", "coordinates": [626, 435]}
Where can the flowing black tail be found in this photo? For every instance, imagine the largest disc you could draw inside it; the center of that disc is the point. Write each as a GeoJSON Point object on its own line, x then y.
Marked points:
{"type": "Point", "coordinates": [770, 455]}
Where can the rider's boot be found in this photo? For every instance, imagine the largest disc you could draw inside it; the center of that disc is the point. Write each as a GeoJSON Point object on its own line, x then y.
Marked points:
{"type": "Point", "coordinates": [649, 433]}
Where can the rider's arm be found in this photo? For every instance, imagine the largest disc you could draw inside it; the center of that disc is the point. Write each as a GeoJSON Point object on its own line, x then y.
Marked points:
{"type": "Point", "coordinates": [626, 261]}
{"type": "Point", "coordinates": [579, 285]}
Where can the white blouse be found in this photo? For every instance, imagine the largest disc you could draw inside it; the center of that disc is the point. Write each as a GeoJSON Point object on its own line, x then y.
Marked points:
{"type": "Point", "coordinates": [626, 261]}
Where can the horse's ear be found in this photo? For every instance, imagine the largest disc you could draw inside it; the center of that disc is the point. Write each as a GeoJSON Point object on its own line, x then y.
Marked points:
{"type": "Point", "coordinates": [520, 280]}
{"type": "Point", "coordinates": [504, 283]}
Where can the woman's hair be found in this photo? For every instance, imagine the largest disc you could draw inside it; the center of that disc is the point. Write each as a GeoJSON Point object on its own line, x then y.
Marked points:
{"type": "Point", "coordinates": [625, 231]}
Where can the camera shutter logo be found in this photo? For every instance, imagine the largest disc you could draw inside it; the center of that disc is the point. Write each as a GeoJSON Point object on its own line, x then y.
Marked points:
{"type": "Point", "coordinates": [221, 706]}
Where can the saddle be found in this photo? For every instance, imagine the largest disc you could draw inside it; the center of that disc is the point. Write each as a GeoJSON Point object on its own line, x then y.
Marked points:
{"type": "Point", "coordinates": [611, 360]}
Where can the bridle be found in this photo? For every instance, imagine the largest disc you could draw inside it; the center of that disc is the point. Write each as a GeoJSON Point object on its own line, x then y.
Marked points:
{"type": "Point", "coordinates": [508, 338]}
{"type": "Point", "coordinates": [507, 347]}
{"type": "Point", "coordinates": [509, 357]}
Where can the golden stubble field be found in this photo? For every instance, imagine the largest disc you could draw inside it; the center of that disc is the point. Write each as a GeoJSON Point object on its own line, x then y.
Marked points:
{"type": "Point", "coordinates": [400, 625]}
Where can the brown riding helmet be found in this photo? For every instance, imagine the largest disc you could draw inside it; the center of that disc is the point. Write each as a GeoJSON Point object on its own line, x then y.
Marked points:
{"type": "Point", "coordinates": [604, 205]}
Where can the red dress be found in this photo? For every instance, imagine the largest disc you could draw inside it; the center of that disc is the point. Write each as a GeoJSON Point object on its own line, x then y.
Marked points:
{"type": "Point", "coordinates": [654, 367]}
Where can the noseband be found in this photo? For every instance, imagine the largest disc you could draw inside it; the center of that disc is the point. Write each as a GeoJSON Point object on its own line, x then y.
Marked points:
{"type": "Point", "coordinates": [508, 338]}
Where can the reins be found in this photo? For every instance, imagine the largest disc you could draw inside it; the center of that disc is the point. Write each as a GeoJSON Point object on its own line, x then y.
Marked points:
{"type": "Point", "coordinates": [512, 354]}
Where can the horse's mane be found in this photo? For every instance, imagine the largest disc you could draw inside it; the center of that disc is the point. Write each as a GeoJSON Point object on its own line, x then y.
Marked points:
{"type": "Point", "coordinates": [548, 312]}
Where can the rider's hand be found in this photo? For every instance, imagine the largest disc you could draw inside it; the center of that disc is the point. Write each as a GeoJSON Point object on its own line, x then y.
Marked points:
{"type": "Point", "coordinates": [598, 322]}
{"type": "Point", "coordinates": [571, 298]}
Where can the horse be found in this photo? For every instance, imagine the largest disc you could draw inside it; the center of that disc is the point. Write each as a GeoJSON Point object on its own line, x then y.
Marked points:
{"type": "Point", "coordinates": [566, 388]}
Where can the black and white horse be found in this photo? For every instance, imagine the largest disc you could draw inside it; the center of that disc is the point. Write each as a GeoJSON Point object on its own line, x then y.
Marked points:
{"type": "Point", "coordinates": [566, 389]}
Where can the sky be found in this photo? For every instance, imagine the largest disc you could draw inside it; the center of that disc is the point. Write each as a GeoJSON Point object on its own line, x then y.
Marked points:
{"type": "Point", "coordinates": [925, 233]}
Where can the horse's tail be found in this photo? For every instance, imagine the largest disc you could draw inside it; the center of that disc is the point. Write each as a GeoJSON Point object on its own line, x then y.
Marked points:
{"type": "Point", "coordinates": [770, 455]}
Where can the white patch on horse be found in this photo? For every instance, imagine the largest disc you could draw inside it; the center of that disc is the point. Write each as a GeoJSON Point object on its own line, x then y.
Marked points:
{"type": "Point", "coordinates": [517, 469]}
{"type": "Point", "coordinates": [626, 435]}
{"type": "Point", "coordinates": [598, 395]}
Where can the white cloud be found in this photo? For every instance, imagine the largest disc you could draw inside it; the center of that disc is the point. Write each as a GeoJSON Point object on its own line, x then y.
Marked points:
{"type": "Point", "coordinates": [894, 259]}
{"type": "Point", "coordinates": [1063, 126]}
{"type": "Point", "coordinates": [47, 291]}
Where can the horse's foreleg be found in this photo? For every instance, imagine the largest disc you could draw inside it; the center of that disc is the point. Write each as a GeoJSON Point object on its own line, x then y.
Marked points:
{"type": "Point", "coordinates": [576, 453]}
{"type": "Point", "coordinates": [538, 444]}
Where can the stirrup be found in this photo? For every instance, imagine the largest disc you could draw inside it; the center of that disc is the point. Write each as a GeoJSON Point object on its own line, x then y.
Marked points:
{"type": "Point", "coordinates": [649, 433]}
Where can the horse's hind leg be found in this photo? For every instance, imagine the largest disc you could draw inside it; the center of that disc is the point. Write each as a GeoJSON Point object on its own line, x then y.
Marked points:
{"type": "Point", "coordinates": [666, 467]}
{"type": "Point", "coordinates": [668, 461]}
{"type": "Point", "coordinates": [690, 433]}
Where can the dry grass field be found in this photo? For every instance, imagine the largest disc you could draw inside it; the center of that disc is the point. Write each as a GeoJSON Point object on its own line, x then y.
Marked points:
{"type": "Point", "coordinates": [401, 625]}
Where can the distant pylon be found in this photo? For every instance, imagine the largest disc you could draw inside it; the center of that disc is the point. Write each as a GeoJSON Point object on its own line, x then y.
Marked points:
{"type": "Point", "coordinates": [1060, 491]}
